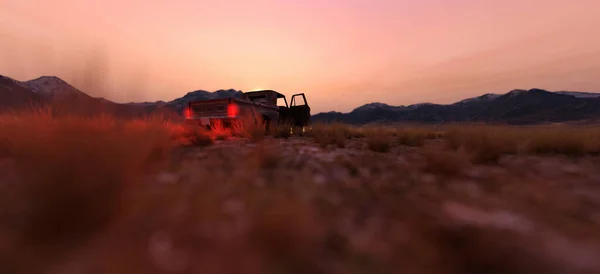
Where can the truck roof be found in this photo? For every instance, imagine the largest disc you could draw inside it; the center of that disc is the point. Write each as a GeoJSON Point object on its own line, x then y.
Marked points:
{"type": "Point", "coordinates": [279, 95]}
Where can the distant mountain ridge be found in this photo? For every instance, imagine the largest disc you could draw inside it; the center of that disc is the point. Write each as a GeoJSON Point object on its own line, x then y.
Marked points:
{"type": "Point", "coordinates": [50, 85]}
{"type": "Point", "coordinates": [16, 95]}
{"type": "Point", "coordinates": [517, 106]}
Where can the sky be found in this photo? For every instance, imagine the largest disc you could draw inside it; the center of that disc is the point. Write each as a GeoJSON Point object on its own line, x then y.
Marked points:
{"type": "Point", "coordinates": [340, 53]}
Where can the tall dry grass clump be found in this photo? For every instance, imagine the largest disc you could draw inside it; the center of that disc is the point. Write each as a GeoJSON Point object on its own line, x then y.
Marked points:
{"type": "Point", "coordinates": [251, 127]}
{"type": "Point", "coordinates": [190, 135]}
{"type": "Point", "coordinates": [379, 139]}
{"type": "Point", "coordinates": [331, 134]}
{"type": "Point", "coordinates": [219, 131]}
{"type": "Point", "coordinates": [68, 175]}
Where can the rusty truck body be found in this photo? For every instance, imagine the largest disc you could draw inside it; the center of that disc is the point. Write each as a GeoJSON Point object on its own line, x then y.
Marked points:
{"type": "Point", "coordinates": [271, 107]}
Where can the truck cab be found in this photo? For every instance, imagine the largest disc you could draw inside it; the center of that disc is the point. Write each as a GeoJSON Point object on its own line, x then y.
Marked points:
{"type": "Point", "coordinates": [297, 112]}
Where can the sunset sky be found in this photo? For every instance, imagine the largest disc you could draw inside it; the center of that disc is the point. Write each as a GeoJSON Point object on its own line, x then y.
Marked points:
{"type": "Point", "coordinates": [341, 53]}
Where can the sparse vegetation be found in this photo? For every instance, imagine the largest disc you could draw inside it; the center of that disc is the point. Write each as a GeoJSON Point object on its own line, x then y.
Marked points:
{"type": "Point", "coordinates": [574, 141]}
{"type": "Point", "coordinates": [85, 195]}
{"type": "Point", "coordinates": [379, 139]}
{"type": "Point", "coordinates": [415, 137]}
{"type": "Point", "coordinates": [489, 143]}
{"type": "Point", "coordinates": [485, 144]}
{"type": "Point", "coordinates": [331, 134]}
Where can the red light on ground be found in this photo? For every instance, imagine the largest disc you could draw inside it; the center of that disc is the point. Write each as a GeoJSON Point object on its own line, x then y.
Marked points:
{"type": "Point", "coordinates": [232, 110]}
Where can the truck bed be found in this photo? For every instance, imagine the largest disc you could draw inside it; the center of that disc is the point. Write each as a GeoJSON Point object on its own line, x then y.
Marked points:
{"type": "Point", "coordinates": [226, 110]}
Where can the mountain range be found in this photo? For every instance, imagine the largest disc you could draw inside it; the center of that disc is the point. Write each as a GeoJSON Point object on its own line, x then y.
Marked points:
{"type": "Point", "coordinates": [518, 106]}
{"type": "Point", "coordinates": [63, 97]}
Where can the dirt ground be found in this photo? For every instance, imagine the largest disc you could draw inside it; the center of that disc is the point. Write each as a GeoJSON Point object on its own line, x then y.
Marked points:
{"type": "Point", "coordinates": [300, 206]}
{"type": "Point", "coordinates": [419, 210]}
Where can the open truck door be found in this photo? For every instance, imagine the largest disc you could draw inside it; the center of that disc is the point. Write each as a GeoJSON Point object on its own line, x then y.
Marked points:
{"type": "Point", "coordinates": [299, 110]}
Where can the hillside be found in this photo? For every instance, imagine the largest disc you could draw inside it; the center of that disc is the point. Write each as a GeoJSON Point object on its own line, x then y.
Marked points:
{"type": "Point", "coordinates": [13, 95]}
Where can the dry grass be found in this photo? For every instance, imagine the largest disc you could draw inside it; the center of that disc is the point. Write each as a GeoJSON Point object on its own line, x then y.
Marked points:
{"type": "Point", "coordinates": [88, 195]}
{"type": "Point", "coordinates": [331, 134]}
{"type": "Point", "coordinates": [190, 135]}
{"type": "Point", "coordinates": [379, 139]}
{"type": "Point", "coordinates": [489, 143]}
{"type": "Point", "coordinates": [486, 144]}
{"type": "Point", "coordinates": [415, 137]}
{"type": "Point", "coordinates": [575, 141]}
{"type": "Point", "coordinates": [441, 161]}
{"type": "Point", "coordinates": [219, 131]}
{"type": "Point", "coordinates": [251, 128]}
{"type": "Point", "coordinates": [72, 173]}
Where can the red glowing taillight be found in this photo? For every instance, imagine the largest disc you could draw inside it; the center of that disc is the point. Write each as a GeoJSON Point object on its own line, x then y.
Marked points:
{"type": "Point", "coordinates": [232, 110]}
{"type": "Point", "coordinates": [187, 112]}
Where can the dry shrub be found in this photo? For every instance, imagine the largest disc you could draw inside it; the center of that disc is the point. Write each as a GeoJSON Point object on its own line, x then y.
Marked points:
{"type": "Point", "coordinates": [330, 134]}
{"type": "Point", "coordinates": [250, 127]}
{"type": "Point", "coordinates": [191, 135]}
{"type": "Point", "coordinates": [379, 140]}
{"type": "Point", "coordinates": [415, 137]}
{"type": "Point", "coordinates": [356, 133]}
{"type": "Point", "coordinates": [440, 160]}
{"type": "Point", "coordinates": [72, 172]}
{"type": "Point", "coordinates": [219, 131]}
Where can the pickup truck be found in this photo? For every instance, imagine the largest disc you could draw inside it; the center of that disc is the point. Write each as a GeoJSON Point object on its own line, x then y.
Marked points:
{"type": "Point", "coordinates": [270, 106]}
